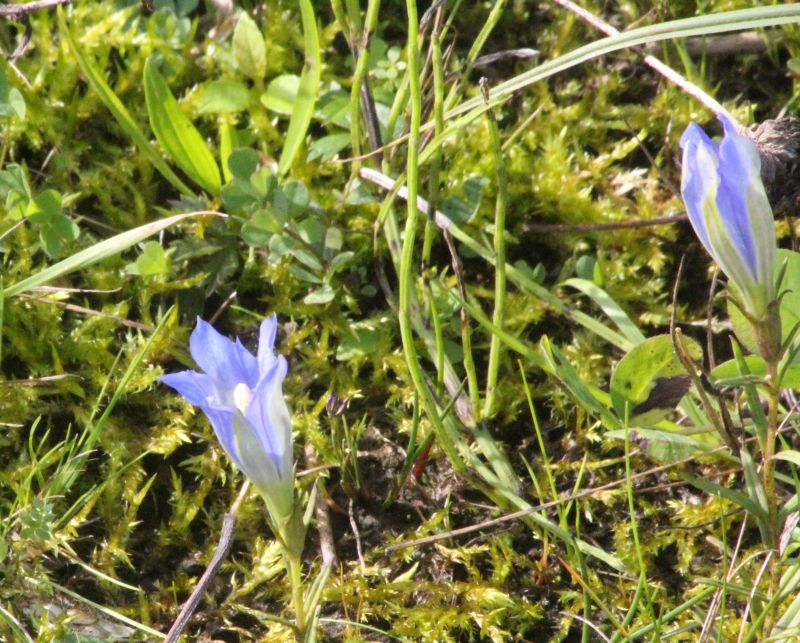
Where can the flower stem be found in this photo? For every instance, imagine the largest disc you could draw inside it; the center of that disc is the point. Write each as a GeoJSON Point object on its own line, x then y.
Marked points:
{"type": "Point", "coordinates": [290, 532]}
{"type": "Point", "coordinates": [294, 570]}
{"type": "Point", "coordinates": [769, 448]}
{"type": "Point", "coordinates": [768, 473]}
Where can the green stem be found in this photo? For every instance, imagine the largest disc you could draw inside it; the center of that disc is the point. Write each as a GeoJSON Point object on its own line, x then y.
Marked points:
{"type": "Point", "coordinates": [642, 586]}
{"type": "Point", "coordinates": [354, 14]}
{"type": "Point", "coordinates": [469, 360]}
{"type": "Point", "coordinates": [433, 200]}
{"type": "Point", "coordinates": [491, 22]}
{"type": "Point", "coordinates": [768, 472]}
{"type": "Point", "coordinates": [359, 45]}
{"type": "Point", "coordinates": [406, 286]}
{"type": "Point", "coordinates": [769, 446]}
{"type": "Point", "coordinates": [498, 316]}
{"type": "Point", "coordinates": [294, 570]}
{"type": "Point", "coordinates": [398, 105]}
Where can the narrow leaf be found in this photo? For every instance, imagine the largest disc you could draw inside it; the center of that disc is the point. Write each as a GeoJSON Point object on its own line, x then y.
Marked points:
{"type": "Point", "coordinates": [735, 497]}
{"type": "Point", "coordinates": [307, 91]}
{"type": "Point", "coordinates": [179, 138]}
{"type": "Point", "coordinates": [95, 253]}
{"type": "Point", "coordinates": [610, 307]}
{"type": "Point", "coordinates": [118, 110]}
{"type": "Point", "coordinates": [227, 143]}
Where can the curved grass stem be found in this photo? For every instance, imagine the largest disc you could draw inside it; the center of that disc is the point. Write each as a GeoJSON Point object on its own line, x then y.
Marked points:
{"type": "Point", "coordinates": [433, 199]}
{"type": "Point", "coordinates": [406, 288]}
{"type": "Point", "coordinates": [498, 316]}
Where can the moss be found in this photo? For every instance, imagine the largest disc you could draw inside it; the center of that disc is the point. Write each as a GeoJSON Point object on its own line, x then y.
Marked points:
{"type": "Point", "coordinates": [143, 503]}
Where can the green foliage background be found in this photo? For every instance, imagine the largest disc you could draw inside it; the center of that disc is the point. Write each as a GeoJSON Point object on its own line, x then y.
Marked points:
{"type": "Point", "coordinates": [127, 520]}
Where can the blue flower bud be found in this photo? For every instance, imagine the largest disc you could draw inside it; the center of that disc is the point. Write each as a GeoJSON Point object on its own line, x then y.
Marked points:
{"type": "Point", "coordinates": [729, 210]}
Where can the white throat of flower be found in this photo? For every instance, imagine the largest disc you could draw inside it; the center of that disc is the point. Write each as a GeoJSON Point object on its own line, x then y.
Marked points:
{"type": "Point", "coordinates": [242, 395]}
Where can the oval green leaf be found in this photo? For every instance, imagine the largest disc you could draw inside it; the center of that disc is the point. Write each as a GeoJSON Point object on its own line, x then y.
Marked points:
{"type": "Point", "coordinates": [281, 94]}
{"type": "Point", "coordinates": [224, 96]}
{"type": "Point", "coordinates": [248, 48]}
{"type": "Point", "coordinates": [650, 380]}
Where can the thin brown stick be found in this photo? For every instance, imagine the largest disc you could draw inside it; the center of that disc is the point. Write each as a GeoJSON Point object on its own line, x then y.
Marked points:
{"type": "Point", "coordinates": [713, 608]}
{"type": "Point", "coordinates": [18, 11]}
{"type": "Point", "coordinates": [39, 381]}
{"type": "Point", "coordinates": [24, 41]}
{"type": "Point", "coordinates": [223, 547]}
{"type": "Point", "coordinates": [327, 546]}
{"type": "Point", "coordinates": [722, 420]}
{"type": "Point", "coordinates": [516, 515]}
{"type": "Point", "coordinates": [385, 182]}
{"type": "Point", "coordinates": [600, 227]}
{"type": "Point", "coordinates": [11, 229]}
{"type": "Point", "coordinates": [75, 308]}
{"type": "Point", "coordinates": [356, 534]}
{"type": "Point", "coordinates": [770, 553]}
{"type": "Point", "coordinates": [222, 307]}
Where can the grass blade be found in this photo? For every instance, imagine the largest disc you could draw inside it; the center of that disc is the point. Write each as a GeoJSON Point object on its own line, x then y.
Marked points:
{"type": "Point", "coordinates": [610, 307]}
{"type": "Point", "coordinates": [754, 18]}
{"type": "Point", "coordinates": [95, 253]}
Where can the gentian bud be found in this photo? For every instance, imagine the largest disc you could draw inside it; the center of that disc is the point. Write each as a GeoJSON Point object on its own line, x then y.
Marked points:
{"type": "Point", "coordinates": [729, 210]}
{"type": "Point", "coordinates": [242, 397]}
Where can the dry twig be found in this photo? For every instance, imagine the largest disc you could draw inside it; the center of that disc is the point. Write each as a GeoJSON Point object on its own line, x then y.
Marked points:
{"type": "Point", "coordinates": [223, 547]}
{"type": "Point", "coordinates": [19, 11]}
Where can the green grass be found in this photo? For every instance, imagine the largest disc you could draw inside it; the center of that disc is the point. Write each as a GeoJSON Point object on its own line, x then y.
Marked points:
{"type": "Point", "coordinates": [472, 351]}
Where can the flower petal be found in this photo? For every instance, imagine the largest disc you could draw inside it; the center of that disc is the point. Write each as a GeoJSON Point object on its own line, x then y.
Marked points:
{"type": "Point", "coordinates": [269, 417]}
{"type": "Point", "coordinates": [228, 362]}
{"type": "Point", "coordinates": [699, 177]}
{"type": "Point", "coordinates": [266, 343]}
{"type": "Point", "coordinates": [740, 168]}
{"type": "Point", "coordinates": [196, 388]}
{"type": "Point", "coordinates": [729, 257]}
{"type": "Point", "coordinates": [222, 422]}
{"type": "Point", "coordinates": [729, 210]}
{"type": "Point", "coordinates": [277, 491]}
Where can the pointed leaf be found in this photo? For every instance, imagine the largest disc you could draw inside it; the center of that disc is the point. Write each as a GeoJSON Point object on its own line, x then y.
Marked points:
{"type": "Point", "coordinates": [307, 91]}
{"type": "Point", "coordinates": [177, 135]}
{"type": "Point", "coordinates": [93, 254]}
{"type": "Point", "coordinates": [118, 110]}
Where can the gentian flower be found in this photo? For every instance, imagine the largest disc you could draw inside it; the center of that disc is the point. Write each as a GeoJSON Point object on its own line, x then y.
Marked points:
{"type": "Point", "coordinates": [729, 210]}
{"type": "Point", "coordinates": [243, 399]}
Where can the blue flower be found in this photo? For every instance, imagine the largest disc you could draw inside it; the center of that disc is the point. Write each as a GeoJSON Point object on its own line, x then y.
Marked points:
{"type": "Point", "coordinates": [242, 397]}
{"type": "Point", "coordinates": [729, 210]}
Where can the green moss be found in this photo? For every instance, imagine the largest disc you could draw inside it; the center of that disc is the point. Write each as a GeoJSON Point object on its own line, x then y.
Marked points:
{"type": "Point", "coordinates": [143, 504]}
